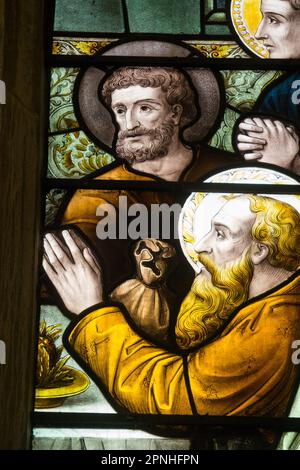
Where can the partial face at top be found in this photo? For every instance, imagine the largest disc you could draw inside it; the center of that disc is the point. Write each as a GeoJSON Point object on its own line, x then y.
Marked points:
{"type": "Point", "coordinates": [280, 29]}
{"type": "Point", "coordinates": [230, 233]}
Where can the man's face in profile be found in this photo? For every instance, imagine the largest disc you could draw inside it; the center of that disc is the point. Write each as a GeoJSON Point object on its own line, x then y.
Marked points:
{"type": "Point", "coordinates": [225, 252]}
{"type": "Point", "coordinates": [279, 29]}
{"type": "Point", "coordinates": [144, 119]}
{"type": "Point", "coordinates": [224, 282]}
{"type": "Point", "coordinates": [230, 234]}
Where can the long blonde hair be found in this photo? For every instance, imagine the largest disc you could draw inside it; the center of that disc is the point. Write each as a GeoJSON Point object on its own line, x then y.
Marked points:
{"type": "Point", "coordinates": [277, 226]}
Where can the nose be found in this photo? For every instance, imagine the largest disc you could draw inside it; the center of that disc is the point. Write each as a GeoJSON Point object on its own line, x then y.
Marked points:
{"type": "Point", "coordinates": [131, 120]}
{"type": "Point", "coordinates": [261, 33]}
{"type": "Point", "coordinates": [204, 245]}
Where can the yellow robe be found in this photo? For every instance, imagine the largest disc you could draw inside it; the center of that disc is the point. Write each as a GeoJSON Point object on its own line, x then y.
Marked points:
{"type": "Point", "coordinates": [247, 370]}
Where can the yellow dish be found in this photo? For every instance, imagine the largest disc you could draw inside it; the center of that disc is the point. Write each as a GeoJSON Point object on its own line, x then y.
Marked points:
{"type": "Point", "coordinates": [53, 397]}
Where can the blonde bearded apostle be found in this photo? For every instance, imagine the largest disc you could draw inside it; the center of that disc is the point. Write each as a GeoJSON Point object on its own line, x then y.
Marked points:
{"type": "Point", "coordinates": [234, 331]}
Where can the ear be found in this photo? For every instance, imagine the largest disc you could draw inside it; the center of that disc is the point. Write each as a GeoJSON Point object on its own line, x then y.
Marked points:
{"type": "Point", "coordinates": [176, 113]}
{"type": "Point", "coordinates": [259, 253]}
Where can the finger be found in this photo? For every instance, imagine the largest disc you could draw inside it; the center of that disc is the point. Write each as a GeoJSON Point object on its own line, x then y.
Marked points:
{"type": "Point", "coordinates": [52, 258]}
{"type": "Point", "coordinates": [249, 120]}
{"type": "Point", "coordinates": [250, 127]}
{"type": "Point", "coordinates": [62, 245]}
{"type": "Point", "coordinates": [72, 245]}
{"type": "Point", "coordinates": [270, 125]}
{"type": "Point", "coordinates": [252, 156]}
{"type": "Point", "coordinates": [291, 130]}
{"type": "Point", "coordinates": [251, 140]}
{"type": "Point", "coordinates": [280, 126]}
{"type": "Point", "coordinates": [77, 239]}
{"type": "Point", "coordinates": [259, 122]}
{"type": "Point", "coordinates": [243, 147]}
{"type": "Point", "coordinates": [51, 273]}
{"type": "Point", "coordinates": [88, 256]}
{"type": "Point", "coordinates": [60, 254]}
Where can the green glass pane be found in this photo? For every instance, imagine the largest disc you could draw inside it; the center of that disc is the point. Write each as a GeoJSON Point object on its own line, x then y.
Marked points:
{"type": "Point", "coordinates": [164, 16]}
{"type": "Point", "coordinates": [54, 200]}
{"type": "Point", "coordinates": [73, 155]}
{"type": "Point", "coordinates": [209, 5]}
{"type": "Point", "coordinates": [217, 29]}
{"type": "Point", "coordinates": [243, 87]}
{"type": "Point", "coordinates": [61, 109]}
{"type": "Point", "coordinates": [214, 5]}
{"type": "Point", "coordinates": [223, 137]}
{"type": "Point", "coordinates": [218, 17]}
{"type": "Point", "coordinates": [89, 15]}
{"type": "Point", "coordinates": [221, 3]}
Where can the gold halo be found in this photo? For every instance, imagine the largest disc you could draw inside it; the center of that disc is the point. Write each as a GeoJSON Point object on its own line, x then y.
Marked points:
{"type": "Point", "coordinates": [246, 17]}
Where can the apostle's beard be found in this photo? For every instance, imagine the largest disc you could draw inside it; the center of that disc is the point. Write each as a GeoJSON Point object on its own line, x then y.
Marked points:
{"type": "Point", "coordinates": [209, 305]}
{"type": "Point", "coordinates": [156, 147]}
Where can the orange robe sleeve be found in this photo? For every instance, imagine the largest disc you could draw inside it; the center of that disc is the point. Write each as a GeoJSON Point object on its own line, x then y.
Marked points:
{"type": "Point", "coordinates": [82, 207]}
{"type": "Point", "coordinates": [246, 371]}
{"type": "Point", "coordinates": [139, 376]}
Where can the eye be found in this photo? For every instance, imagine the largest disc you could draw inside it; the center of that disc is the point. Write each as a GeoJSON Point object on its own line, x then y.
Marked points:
{"type": "Point", "coordinates": [145, 108]}
{"type": "Point", "coordinates": [120, 111]}
{"type": "Point", "coordinates": [220, 235]}
{"type": "Point", "coordinates": [272, 20]}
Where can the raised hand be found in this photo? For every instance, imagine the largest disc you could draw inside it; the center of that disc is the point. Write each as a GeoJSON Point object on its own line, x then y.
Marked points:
{"type": "Point", "coordinates": [73, 270]}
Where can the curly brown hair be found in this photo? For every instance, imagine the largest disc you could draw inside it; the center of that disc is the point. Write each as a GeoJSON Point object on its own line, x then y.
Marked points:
{"type": "Point", "coordinates": [172, 82]}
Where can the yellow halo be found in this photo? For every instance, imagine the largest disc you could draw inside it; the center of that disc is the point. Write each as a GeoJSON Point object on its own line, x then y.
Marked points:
{"type": "Point", "coordinates": [246, 17]}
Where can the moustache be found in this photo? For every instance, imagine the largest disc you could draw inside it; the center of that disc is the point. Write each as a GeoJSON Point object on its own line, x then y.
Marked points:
{"type": "Point", "coordinates": [207, 262]}
{"type": "Point", "coordinates": [136, 132]}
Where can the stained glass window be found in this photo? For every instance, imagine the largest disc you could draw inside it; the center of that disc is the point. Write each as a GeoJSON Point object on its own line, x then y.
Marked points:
{"type": "Point", "coordinates": [92, 16]}
{"type": "Point", "coordinates": [215, 17]}
{"type": "Point", "coordinates": [169, 285]}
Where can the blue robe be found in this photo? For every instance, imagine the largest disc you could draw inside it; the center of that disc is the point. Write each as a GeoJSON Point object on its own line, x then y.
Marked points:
{"type": "Point", "coordinates": [281, 100]}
